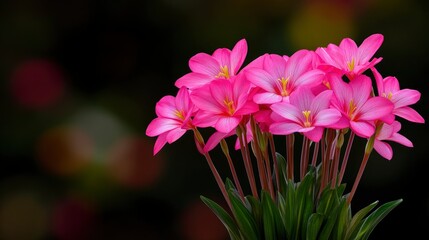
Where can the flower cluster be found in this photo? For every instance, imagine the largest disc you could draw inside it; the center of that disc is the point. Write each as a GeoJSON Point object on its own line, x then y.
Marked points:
{"type": "Point", "coordinates": [321, 95]}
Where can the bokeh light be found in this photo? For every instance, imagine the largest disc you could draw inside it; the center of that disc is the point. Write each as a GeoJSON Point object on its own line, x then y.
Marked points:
{"type": "Point", "coordinates": [318, 23]}
{"type": "Point", "coordinates": [198, 222]}
{"type": "Point", "coordinates": [23, 215]}
{"type": "Point", "coordinates": [37, 83]}
{"type": "Point", "coordinates": [64, 150]}
{"type": "Point", "coordinates": [73, 218]}
{"type": "Point", "coordinates": [132, 163]}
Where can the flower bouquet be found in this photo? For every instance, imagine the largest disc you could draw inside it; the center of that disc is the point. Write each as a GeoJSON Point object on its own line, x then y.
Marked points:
{"type": "Point", "coordinates": [324, 98]}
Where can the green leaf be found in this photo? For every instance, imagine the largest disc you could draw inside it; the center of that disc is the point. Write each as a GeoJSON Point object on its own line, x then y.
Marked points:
{"type": "Point", "coordinates": [357, 222]}
{"type": "Point", "coordinates": [281, 164]}
{"type": "Point", "coordinates": [224, 217]}
{"type": "Point", "coordinates": [255, 209]}
{"type": "Point", "coordinates": [290, 213]}
{"type": "Point", "coordinates": [305, 198]}
{"type": "Point", "coordinates": [326, 201]}
{"type": "Point", "coordinates": [343, 221]}
{"type": "Point", "coordinates": [313, 226]}
{"type": "Point", "coordinates": [375, 217]}
{"type": "Point", "coordinates": [244, 218]}
{"type": "Point", "coordinates": [272, 222]}
{"type": "Point", "coordinates": [332, 219]}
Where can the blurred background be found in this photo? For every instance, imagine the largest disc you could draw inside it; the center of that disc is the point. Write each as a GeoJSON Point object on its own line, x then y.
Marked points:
{"type": "Point", "coordinates": [79, 84]}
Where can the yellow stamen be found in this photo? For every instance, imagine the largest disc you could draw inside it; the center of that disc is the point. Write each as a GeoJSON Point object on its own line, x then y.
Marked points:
{"type": "Point", "coordinates": [388, 96]}
{"type": "Point", "coordinates": [327, 84]}
{"type": "Point", "coordinates": [284, 82]}
{"type": "Point", "coordinates": [230, 105]}
{"type": "Point", "coordinates": [352, 109]}
{"type": "Point", "coordinates": [351, 64]}
{"type": "Point", "coordinates": [306, 114]}
{"type": "Point", "coordinates": [179, 114]}
{"type": "Point", "coordinates": [224, 73]}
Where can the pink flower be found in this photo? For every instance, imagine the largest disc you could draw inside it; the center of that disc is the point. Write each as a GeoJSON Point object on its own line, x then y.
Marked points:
{"type": "Point", "coordinates": [216, 137]}
{"type": "Point", "coordinates": [174, 119]}
{"type": "Point", "coordinates": [223, 64]}
{"type": "Point", "coordinates": [280, 76]}
{"type": "Point", "coordinates": [223, 104]}
{"type": "Point", "coordinates": [306, 113]}
{"type": "Point", "coordinates": [389, 133]}
{"type": "Point", "coordinates": [359, 110]}
{"type": "Point", "coordinates": [401, 98]}
{"type": "Point", "coordinates": [349, 59]}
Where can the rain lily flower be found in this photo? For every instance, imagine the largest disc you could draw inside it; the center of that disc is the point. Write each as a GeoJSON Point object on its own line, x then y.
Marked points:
{"type": "Point", "coordinates": [349, 59]}
{"type": "Point", "coordinates": [401, 98]}
{"type": "Point", "coordinates": [223, 64]}
{"type": "Point", "coordinates": [223, 104]}
{"type": "Point", "coordinates": [280, 76]}
{"type": "Point", "coordinates": [358, 108]}
{"type": "Point", "coordinates": [174, 119]}
{"type": "Point", "coordinates": [389, 133]}
{"type": "Point", "coordinates": [306, 113]}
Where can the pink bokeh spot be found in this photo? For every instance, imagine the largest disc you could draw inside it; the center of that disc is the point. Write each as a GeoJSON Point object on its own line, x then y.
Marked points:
{"type": "Point", "coordinates": [37, 83]}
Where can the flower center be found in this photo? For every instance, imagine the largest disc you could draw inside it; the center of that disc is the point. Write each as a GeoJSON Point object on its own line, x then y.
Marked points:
{"type": "Point", "coordinates": [352, 109]}
{"type": "Point", "coordinates": [224, 73]}
{"type": "Point", "coordinates": [230, 106]}
{"type": "Point", "coordinates": [306, 114]}
{"type": "Point", "coordinates": [351, 64]}
{"type": "Point", "coordinates": [284, 83]}
{"type": "Point", "coordinates": [179, 114]}
{"type": "Point", "coordinates": [388, 95]}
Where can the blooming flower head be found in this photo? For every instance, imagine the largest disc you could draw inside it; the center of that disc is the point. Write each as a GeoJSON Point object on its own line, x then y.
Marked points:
{"type": "Point", "coordinates": [222, 64]}
{"type": "Point", "coordinates": [305, 113]}
{"type": "Point", "coordinates": [348, 58]}
{"type": "Point", "coordinates": [401, 98]}
{"type": "Point", "coordinates": [358, 108]}
{"type": "Point", "coordinates": [223, 104]}
{"type": "Point", "coordinates": [389, 133]}
{"type": "Point", "coordinates": [280, 76]}
{"type": "Point", "coordinates": [173, 119]}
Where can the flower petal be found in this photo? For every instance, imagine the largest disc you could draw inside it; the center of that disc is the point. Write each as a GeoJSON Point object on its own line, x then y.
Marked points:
{"type": "Point", "coordinates": [261, 78]}
{"type": "Point", "coordinates": [287, 111]}
{"type": "Point", "coordinates": [342, 90]}
{"type": "Point", "coordinates": [193, 80]}
{"type": "Point", "coordinates": [327, 117]}
{"type": "Point", "coordinates": [299, 63]}
{"type": "Point", "coordinates": [204, 119]}
{"type": "Point", "coordinates": [161, 125]}
{"type": "Point", "coordinates": [204, 64]}
{"type": "Point", "coordinates": [396, 137]}
{"type": "Point", "coordinates": [321, 101]}
{"type": "Point", "coordinates": [238, 55]}
{"type": "Point", "coordinates": [369, 46]}
{"type": "Point", "coordinates": [275, 65]}
{"type": "Point", "coordinates": [314, 135]}
{"type": "Point", "coordinates": [227, 124]}
{"type": "Point", "coordinates": [350, 50]}
{"type": "Point", "coordinates": [409, 114]}
{"type": "Point", "coordinates": [405, 97]}
{"type": "Point", "coordinates": [284, 128]}
{"type": "Point", "coordinates": [361, 87]}
{"type": "Point", "coordinates": [375, 108]}
{"type": "Point", "coordinates": [267, 98]}
{"type": "Point", "coordinates": [159, 143]}
{"type": "Point", "coordinates": [362, 129]}
{"type": "Point", "coordinates": [214, 140]}
{"type": "Point", "coordinates": [203, 99]}
{"type": "Point", "coordinates": [384, 149]}
{"type": "Point", "coordinates": [175, 134]}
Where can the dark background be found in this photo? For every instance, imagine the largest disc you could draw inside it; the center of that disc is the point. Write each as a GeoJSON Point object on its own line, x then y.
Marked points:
{"type": "Point", "coordinates": [79, 83]}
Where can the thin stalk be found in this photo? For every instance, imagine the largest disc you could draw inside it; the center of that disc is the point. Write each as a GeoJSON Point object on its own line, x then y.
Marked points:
{"type": "Point", "coordinates": [304, 156]}
{"type": "Point", "coordinates": [368, 150]}
{"type": "Point", "coordinates": [315, 154]}
{"type": "Point", "coordinates": [247, 163]}
{"type": "Point", "coordinates": [346, 157]}
{"type": "Point", "coordinates": [260, 164]}
{"type": "Point", "coordinates": [273, 156]}
{"type": "Point", "coordinates": [218, 179]}
{"type": "Point", "coordinates": [290, 141]}
{"type": "Point", "coordinates": [200, 145]}
{"type": "Point", "coordinates": [335, 164]}
{"type": "Point", "coordinates": [268, 168]}
{"type": "Point", "coordinates": [225, 150]}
